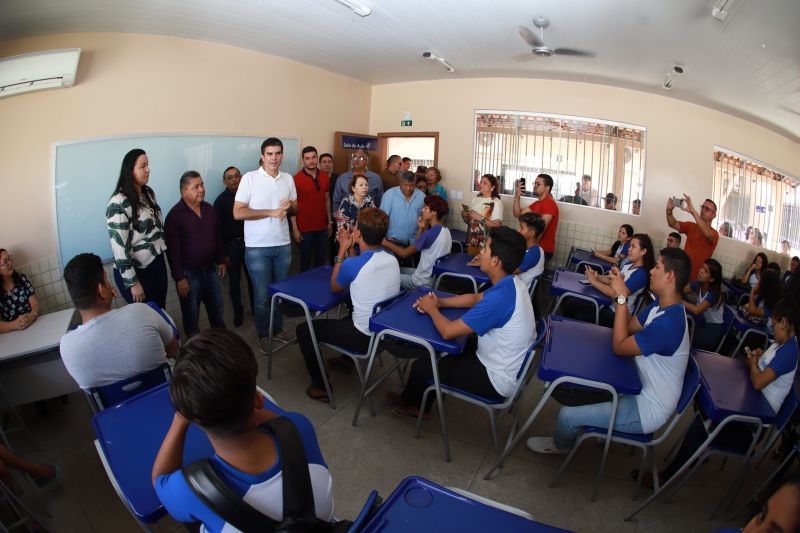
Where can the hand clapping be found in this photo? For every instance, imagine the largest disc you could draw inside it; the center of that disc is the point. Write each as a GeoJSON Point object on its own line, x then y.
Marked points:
{"type": "Point", "coordinates": [426, 304]}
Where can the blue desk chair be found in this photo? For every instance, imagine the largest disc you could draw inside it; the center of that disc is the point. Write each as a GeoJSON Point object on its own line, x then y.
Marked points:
{"type": "Point", "coordinates": [727, 324]}
{"type": "Point", "coordinates": [101, 398]}
{"type": "Point", "coordinates": [752, 332]}
{"type": "Point", "coordinates": [690, 323]}
{"type": "Point", "coordinates": [581, 267]}
{"type": "Point", "coordinates": [646, 441]}
{"type": "Point", "coordinates": [492, 406]}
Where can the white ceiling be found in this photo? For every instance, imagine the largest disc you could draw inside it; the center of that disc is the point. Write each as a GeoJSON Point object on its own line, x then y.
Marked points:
{"type": "Point", "coordinates": [748, 65]}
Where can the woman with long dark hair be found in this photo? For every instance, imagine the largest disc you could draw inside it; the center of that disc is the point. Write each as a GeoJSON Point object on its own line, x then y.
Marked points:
{"type": "Point", "coordinates": [753, 272]}
{"type": "Point", "coordinates": [705, 303]}
{"type": "Point", "coordinates": [18, 304]}
{"type": "Point", "coordinates": [619, 250]}
{"type": "Point", "coordinates": [137, 233]}
{"type": "Point", "coordinates": [486, 211]}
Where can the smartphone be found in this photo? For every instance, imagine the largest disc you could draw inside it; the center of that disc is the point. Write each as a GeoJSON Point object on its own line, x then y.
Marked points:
{"type": "Point", "coordinates": [748, 351]}
{"type": "Point", "coordinates": [678, 202]}
{"type": "Point", "coordinates": [522, 183]}
{"type": "Point", "coordinates": [584, 282]}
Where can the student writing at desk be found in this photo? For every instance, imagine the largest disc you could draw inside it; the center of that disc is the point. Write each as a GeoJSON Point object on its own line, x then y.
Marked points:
{"type": "Point", "coordinates": [502, 317]}
{"type": "Point", "coordinates": [433, 241]}
{"type": "Point", "coordinates": [706, 305]}
{"type": "Point", "coordinates": [214, 386]}
{"type": "Point", "coordinates": [658, 340]}
{"type": "Point", "coordinates": [18, 304]}
{"type": "Point", "coordinates": [772, 372]}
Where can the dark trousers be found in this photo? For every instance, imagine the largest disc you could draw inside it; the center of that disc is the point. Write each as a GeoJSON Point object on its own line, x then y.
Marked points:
{"type": "Point", "coordinates": [340, 332]}
{"type": "Point", "coordinates": [313, 244]}
{"type": "Point", "coordinates": [153, 280]}
{"type": "Point", "coordinates": [584, 311]}
{"type": "Point", "coordinates": [464, 372]}
{"type": "Point", "coordinates": [203, 287]}
{"type": "Point", "coordinates": [707, 336]}
{"type": "Point", "coordinates": [234, 251]}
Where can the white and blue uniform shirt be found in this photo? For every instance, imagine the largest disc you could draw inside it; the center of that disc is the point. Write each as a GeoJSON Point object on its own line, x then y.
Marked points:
{"type": "Point", "coordinates": [714, 314]}
{"type": "Point", "coordinates": [782, 359]}
{"type": "Point", "coordinates": [635, 280]}
{"type": "Point", "coordinates": [434, 243]}
{"type": "Point", "coordinates": [262, 491]}
{"type": "Point", "coordinates": [665, 344]}
{"type": "Point", "coordinates": [505, 325]}
{"type": "Point", "coordinates": [372, 277]}
{"type": "Point", "coordinates": [622, 250]}
{"type": "Point", "coordinates": [532, 265]}
{"type": "Point", "coordinates": [752, 280]}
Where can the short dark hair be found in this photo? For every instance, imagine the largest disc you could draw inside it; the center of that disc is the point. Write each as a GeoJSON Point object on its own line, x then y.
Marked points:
{"type": "Point", "coordinates": [795, 258]}
{"type": "Point", "coordinates": [406, 160]}
{"type": "Point", "coordinates": [421, 179]}
{"type": "Point", "coordinates": [214, 381]}
{"type": "Point", "coordinates": [534, 221]}
{"type": "Point", "coordinates": [548, 180]}
{"type": "Point", "coordinates": [392, 158]}
{"type": "Point", "coordinates": [407, 177]}
{"type": "Point", "coordinates": [508, 246]}
{"type": "Point", "coordinates": [308, 150]}
{"type": "Point", "coordinates": [678, 262]}
{"type": "Point", "coordinates": [438, 204]}
{"type": "Point", "coordinates": [231, 168]}
{"type": "Point", "coordinates": [586, 177]}
{"type": "Point", "coordinates": [676, 235]}
{"type": "Point", "coordinates": [82, 275]}
{"type": "Point", "coordinates": [421, 169]}
{"type": "Point", "coordinates": [354, 179]}
{"type": "Point", "coordinates": [373, 225]}
{"type": "Point", "coordinates": [326, 154]}
{"type": "Point", "coordinates": [611, 197]}
{"type": "Point", "coordinates": [637, 201]}
{"type": "Point", "coordinates": [271, 141]}
{"type": "Point", "coordinates": [774, 266]}
{"type": "Point", "coordinates": [188, 176]}
{"type": "Point", "coordinates": [712, 203]}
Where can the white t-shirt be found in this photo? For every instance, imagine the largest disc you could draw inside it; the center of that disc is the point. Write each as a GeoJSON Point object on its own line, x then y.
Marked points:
{"type": "Point", "coordinates": [665, 345]}
{"type": "Point", "coordinates": [259, 190]}
{"type": "Point", "coordinates": [373, 276]}
{"type": "Point", "coordinates": [490, 208]}
{"type": "Point", "coordinates": [432, 244]}
{"type": "Point", "coordinates": [532, 265]}
{"type": "Point", "coordinates": [782, 359]}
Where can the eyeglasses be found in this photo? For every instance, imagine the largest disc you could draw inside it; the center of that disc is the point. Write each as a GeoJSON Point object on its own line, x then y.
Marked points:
{"type": "Point", "coordinates": [705, 208]}
{"type": "Point", "coordinates": [359, 158]}
{"type": "Point", "coordinates": [233, 177]}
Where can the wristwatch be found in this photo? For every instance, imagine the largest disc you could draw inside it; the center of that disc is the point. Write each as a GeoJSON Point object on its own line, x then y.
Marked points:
{"type": "Point", "coordinates": [337, 259]}
{"type": "Point", "coordinates": [622, 299]}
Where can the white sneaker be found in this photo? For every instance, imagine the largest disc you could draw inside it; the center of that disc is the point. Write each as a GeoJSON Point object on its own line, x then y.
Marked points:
{"type": "Point", "coordinates": [545, 445]}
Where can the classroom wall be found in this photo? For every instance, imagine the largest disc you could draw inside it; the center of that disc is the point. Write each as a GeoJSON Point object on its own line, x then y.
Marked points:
{"type": "Point", "coordinates": [134, 84]}
{"type": "Point", "coordinates": [680, 141]}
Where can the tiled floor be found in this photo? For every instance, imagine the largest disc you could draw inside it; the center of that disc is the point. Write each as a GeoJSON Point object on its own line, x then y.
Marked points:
{"type": "Point", "coordinates": [381, 451]}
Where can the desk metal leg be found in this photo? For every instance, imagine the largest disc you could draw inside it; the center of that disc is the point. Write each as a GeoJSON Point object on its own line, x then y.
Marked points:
{"type": "Point", "coordinates": [456, 275]}
{"type": "Point", "coordinates": [286, 343]}
{"type": "Point", "coordinates": [366, 388]}
{"type": "Point", "coordinates": [18, 418]}
{"type": "Point", "coordinates": [591, 301]}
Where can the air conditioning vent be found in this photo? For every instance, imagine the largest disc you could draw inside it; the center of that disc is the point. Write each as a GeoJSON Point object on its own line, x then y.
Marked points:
{"type": "Point", "coordinates": [39, 70]}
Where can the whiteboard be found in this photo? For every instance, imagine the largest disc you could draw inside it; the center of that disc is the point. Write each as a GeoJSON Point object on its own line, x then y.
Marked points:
{"type": "Point", "coordinates": [86, 173]}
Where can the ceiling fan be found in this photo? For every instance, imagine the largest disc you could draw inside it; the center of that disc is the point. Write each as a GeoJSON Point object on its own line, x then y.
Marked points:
{"type": "Point", "coordinates": [537, 41]}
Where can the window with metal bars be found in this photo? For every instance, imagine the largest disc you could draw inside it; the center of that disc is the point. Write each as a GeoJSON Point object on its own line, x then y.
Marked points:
{"type": "Point", "coordinates": [755, 202]}
{"type": "Point", "coordinates": [588, 159]}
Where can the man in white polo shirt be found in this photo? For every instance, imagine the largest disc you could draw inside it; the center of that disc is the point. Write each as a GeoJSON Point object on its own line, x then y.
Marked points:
{"type": "Point", "coordinates": [264, 199]}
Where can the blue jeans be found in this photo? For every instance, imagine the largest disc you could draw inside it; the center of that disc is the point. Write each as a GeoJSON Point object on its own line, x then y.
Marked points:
{"type": "Point", "coordinates": [313, 243]}
{"type": "Point", "coordinates": [203, 287]}
{"type": "Point", "coordinates": [572, 419]}
{"type": "Point", "coordinates": [267, 264]}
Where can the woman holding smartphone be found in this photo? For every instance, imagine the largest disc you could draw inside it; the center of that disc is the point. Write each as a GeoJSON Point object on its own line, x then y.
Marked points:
{"type": "Point", "coordinates": [485, 211]}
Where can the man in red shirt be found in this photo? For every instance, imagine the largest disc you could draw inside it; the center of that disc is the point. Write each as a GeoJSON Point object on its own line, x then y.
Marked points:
{"type": "Point", "coordinates": [701, 238]}
{"type": "Point", "coordinates": [546, 207]}
{"type": "Point", "coordinates": [313, 224]}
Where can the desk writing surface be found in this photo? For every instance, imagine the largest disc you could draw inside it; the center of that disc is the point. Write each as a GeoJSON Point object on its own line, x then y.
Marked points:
{"type": "Point", "coordinates": [736, 288]}
{"type": "Point", "coordinates": [565, 281]}
{"type": "Point", "coordinates": [44, 334]}
{"type": "Point", "coordinates": [131, 434]}
{"type": "Point", "coordinates": [313, 287]}
{"type": "Point", "coordinates": [458, 235]}
{"type": "Point", "coordinates": [726, 389]}
{"type": "Point", "coordinates": [401, 316]}
{"type": "Point", "coordinates": [420, 505]}
{"type": "Point", "coordinates": [743, 324]}
{"type": "Point", "coordinates": [580, 255]}
{"type": "Point", "coordinates": [583, 350]}
{"type": "Point", "coordinates": [457, 264]}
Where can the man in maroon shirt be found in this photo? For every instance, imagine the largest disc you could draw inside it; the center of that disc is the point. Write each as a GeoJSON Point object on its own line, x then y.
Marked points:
{"type": "Point", "coordinates": [196, 257]}
{"type": "Point", "coordinates": [312, 225]}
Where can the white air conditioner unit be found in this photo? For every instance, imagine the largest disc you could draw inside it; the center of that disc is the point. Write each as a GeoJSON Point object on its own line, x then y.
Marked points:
{"type": "Point", "coordinates": [39, 70]}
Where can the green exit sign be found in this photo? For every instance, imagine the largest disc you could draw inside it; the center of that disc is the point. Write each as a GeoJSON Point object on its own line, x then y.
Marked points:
{"type": "Point", "coordinates": [404, 123]}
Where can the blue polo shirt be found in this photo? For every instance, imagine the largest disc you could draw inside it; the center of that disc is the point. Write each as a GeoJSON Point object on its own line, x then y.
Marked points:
{"type": "Point", "coordinates": [403, 214]}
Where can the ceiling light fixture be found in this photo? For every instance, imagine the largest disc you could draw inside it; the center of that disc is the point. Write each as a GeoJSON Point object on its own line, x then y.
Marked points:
{"type": "Point", "coordinates": [356, 7]}
{"type": "Point", "coordinates": [442, 61]}
{"type": "Point", "coordinates": [671, 75]}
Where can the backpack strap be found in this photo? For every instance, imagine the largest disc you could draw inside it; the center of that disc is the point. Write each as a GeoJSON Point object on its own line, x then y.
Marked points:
{"type": "Point", "coordinates": [298, 495]}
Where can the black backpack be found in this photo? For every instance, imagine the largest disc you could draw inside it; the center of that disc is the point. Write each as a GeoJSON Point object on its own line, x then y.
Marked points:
{"type": "Point", "coordinates": [298, 496]}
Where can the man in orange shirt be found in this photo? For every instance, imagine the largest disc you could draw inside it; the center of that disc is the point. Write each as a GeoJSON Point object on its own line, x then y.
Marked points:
{"type": "Point", "coordinates": [701, 238]}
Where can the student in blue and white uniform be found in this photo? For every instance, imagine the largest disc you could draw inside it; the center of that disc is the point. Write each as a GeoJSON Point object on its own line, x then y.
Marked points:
{"type": "Point", "coordinates": [531, 226]}
{"type": "Point", "coordinates": [619, 250]}
{"type": "Point", "coordinates": [433, 241]}
{"type": "Point", "coordinates": [502, 316]}
{"type": "Point", "coordinates": [658, 340]}
{"type": "Point", "coordinates": [634, 273]}
{"type": "Point", "coordinates": [706, 307]}
{"type": "Point", "coordinates": [772, 372]}
{"type": "Point", "coordinates": [763, 298]}
{"type": "Point", "coordinates": [372, 276]}
{"type": "Point", "coordinates": [214, 387]}
{"type": "Point", "coordinates": [754, 271]}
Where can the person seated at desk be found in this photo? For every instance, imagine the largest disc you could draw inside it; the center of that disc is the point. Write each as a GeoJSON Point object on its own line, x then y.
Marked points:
{"type": "Point", "coordinates": [531, 226]}
{"type": "Point", "coordinates": [433, 241]}
{"type": "Point", "coordinates": [780, 513]}
{"type": "Point", "coordinates": [658, 340]}
{"type": "Point", "coordinates": [214, 386]}
{"type": "Point", "coordinates": [111, 344]}
{"type": "Point", "coordinates": [754, 271]}
{"type": "Point", "coordinates": [619, 250]}
{"type": "Point", "coordinates": [18, 304]}
{"type": "Point", "coordinates": [707, 306]}
{"type": "Point", "coordinates": [502, 316]}
{"type": "Point", "coordinates": [635, 275]}
{"type": "Point", "coordinates": [763, 298]}
{"type": "Point", "coordinates": [372, 277]}
{"type": "Point", "coordinates": [771, 372]}
{"type": "Point", "coordinates": [791, 270]}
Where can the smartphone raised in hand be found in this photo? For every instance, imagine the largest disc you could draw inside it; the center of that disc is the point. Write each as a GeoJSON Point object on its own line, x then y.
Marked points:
{"type": "Point", "coordinates": [678, 202]}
